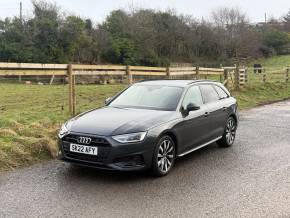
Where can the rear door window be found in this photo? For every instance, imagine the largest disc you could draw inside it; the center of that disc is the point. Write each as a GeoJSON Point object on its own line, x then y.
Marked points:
{"type": "Point", "coordinates": [209, 94]}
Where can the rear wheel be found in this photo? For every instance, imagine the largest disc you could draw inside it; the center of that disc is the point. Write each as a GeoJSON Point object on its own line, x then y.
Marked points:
{"type": "Point", "coordinates": [164, 156]}
{"type": "Point", "coordinates": [229, 135]}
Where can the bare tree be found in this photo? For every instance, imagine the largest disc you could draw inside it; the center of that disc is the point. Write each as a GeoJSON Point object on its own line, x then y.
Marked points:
{"type": "Point", "coordinates": [286, 21]}
{"type": "Point", "coordinates": [233, 31]}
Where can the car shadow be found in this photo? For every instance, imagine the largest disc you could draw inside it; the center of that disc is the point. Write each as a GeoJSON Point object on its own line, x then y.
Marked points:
{"type": "Point", "coordinates": [87, 173]}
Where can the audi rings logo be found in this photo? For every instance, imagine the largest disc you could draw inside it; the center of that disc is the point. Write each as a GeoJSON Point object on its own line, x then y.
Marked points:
{"type": "Point", "coordinates": [84, 140]}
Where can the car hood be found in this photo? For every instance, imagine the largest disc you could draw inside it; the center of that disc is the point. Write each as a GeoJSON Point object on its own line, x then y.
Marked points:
{"type": "Point", "coordinates": [108, 121]}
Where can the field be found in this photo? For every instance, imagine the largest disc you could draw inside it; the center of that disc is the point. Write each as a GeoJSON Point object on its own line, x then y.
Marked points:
{"type": "Point", "coordinates": [30, 115]}
{"type": "Point", "coordinates": [273, 62]}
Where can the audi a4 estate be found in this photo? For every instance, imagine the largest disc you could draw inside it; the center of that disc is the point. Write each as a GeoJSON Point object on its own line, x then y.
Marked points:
{"type": "Point", "coordinates": [150, 124]}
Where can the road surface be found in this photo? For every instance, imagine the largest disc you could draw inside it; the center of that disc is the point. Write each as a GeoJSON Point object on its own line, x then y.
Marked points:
{"type": "Point", "coordinates": [250, 179]}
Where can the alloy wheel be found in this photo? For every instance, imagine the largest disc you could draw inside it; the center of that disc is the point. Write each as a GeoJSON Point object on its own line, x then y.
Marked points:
{"type": "Point", "coordinates": [231, 131]}
{"type": "Point", "coordinates": [165, 156]}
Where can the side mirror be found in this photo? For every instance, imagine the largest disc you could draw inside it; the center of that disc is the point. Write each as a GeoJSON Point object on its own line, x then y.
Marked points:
{"type": "Point", "coordinates": [108, 100]}
{"type": "Point", "coordinates": [192, 107]}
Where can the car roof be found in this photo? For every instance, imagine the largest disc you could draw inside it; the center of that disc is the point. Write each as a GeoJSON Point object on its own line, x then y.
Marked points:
{"type": "Point", "coordinates": [178, 83]}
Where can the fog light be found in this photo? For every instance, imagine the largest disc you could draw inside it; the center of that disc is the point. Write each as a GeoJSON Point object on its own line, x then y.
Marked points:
{"type": "Point", "coordinates": [130, 161]}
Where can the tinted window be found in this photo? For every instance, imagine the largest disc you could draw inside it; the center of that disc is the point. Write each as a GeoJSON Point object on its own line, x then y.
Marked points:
{"type": "Point", "coordinates": [192, 95]}
{"type": "Point", "coordinates": [222, 94]}
{"type": "Point", "coordinates": [208, 93]}
{"type": "Point", "coordinates": [149, 97]}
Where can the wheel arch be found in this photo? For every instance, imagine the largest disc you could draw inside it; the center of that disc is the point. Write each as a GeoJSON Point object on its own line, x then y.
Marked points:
{"type": "Point", "coordinates": [173, 136]}
{"type": "Point", "coordinates": [233, 115]}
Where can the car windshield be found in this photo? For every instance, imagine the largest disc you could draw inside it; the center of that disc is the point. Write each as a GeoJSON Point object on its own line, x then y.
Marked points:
{"type": "Point", "coordinates": [149, 97]}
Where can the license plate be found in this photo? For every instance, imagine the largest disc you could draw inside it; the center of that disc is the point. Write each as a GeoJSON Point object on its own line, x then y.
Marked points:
{"type": "Point", "coordinates": [83, 149]}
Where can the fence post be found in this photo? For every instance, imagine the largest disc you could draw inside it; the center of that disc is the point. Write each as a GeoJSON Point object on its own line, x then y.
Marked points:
{"type": "Point", "coordinates": [226, 78]}
{"type": "Point", "coordinates": [129, 75]}
{"type": "Point", "coordinates": [74, 93]}
{"type": "Point", "coordinates": [71, 90]}
{"type": "Point", "coordinates": [287, 75]}
{"type": "Point", "coordinates": [237, 77]}
{"type": "Point", "coordinates": [264, 75]}
{"type": "Point", "coordinates": [197, 72]}
{"type": "Point", "coordinates": [221, 76]}
{"type": "Point", "coordinates": [51, 80]}
{"type": "Point", "coordinates": [168, 72]}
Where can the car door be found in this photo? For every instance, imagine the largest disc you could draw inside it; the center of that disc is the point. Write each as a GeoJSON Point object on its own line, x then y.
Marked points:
{"type": "Point", "coordinates": [215, 112]}
{"type": "Point", "coordinates": [191, 129]}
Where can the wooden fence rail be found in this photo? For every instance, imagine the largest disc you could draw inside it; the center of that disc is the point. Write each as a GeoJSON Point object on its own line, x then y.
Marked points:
{"type": "Point", "coordinates": [265, 75]}
{"type": "Point", "coordinates": [72, 70]}
{"type": "Point", "coordinates": [232, 77]}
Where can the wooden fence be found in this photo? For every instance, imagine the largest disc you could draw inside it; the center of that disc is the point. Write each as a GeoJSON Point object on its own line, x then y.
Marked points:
{"type": "Point", "coordinates": [270, 74]}
{"type": "Point", "coordinates": [230, 76]}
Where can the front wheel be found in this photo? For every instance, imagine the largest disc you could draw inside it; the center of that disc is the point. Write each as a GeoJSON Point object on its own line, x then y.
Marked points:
{"type": "Point", "coordinates": [229, 135]}
{"type": "Point", "coordinates": [164, 156]}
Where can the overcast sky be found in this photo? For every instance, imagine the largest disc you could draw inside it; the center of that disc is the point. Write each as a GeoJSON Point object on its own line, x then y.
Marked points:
{"type": "Point", "coordinates": [97, 10]}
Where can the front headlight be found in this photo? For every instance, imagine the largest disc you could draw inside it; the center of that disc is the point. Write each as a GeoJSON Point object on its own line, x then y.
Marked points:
{"type": "Point", "coordinates": [63, 131]}
{"type": "Point", "coordinates": [132, 137]}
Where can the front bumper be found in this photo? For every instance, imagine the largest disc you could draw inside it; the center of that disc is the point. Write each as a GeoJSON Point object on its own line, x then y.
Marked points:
{"type": "Point", "coordinates": [111, 154]}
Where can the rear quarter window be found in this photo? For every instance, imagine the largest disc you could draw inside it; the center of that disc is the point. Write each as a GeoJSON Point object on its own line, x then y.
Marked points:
{"type": "Point", "coordinates": [209, 94]}
{"type": "Point", "coordinates": [222, 93]}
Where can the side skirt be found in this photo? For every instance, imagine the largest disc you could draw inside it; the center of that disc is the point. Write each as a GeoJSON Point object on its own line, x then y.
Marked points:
{"type": "Point", "coordinates": [198, 147]}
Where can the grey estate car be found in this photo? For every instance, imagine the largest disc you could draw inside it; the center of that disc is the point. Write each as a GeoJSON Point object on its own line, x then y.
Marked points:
{"type": "Point", "coordinates": [150, 124]}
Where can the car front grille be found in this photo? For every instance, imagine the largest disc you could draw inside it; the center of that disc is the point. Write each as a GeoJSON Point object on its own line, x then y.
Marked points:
{"type": "Point", "coordinates": [96, 141]}
{"type": "Point", "coordinates": [104, 148]}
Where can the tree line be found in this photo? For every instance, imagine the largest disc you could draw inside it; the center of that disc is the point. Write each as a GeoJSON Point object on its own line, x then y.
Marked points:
{"type": "Point", "coordinates": [139, 37]}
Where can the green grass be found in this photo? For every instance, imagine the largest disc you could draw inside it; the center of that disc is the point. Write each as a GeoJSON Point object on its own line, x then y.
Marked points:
{"type": "Point", "coordinates": [30, 115]}
{"type": "Point", "coordinates": [261, 94]}
{"type": "Point", "coordinates": [273, 62]}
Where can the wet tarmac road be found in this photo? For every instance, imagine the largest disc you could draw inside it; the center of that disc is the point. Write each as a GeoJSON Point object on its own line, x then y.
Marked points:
{"type": "Point", "coordinates": [250, 179]}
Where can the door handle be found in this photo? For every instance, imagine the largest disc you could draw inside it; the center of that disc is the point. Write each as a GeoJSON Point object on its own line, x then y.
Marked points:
{"type": "Point", "coordinates": [206, 114]}
{"type": "Point", "coordinates": [225, 108]}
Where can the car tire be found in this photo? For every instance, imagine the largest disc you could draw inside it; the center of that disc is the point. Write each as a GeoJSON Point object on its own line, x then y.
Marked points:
{"type": "Point", "coordinates": [229, 134]}
{"type": "Point", "coordinates": [163, 156]}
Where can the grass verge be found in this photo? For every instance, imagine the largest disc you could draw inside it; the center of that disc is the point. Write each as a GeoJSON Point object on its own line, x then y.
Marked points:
{"type": "Point", "coordinates": [30, 116]}
{"type": "Point", "coordinates": [262, 94]}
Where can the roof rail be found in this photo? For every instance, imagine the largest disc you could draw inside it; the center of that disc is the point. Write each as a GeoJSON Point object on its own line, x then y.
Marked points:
{"type": "Point", "coordinates": [202, 80]}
